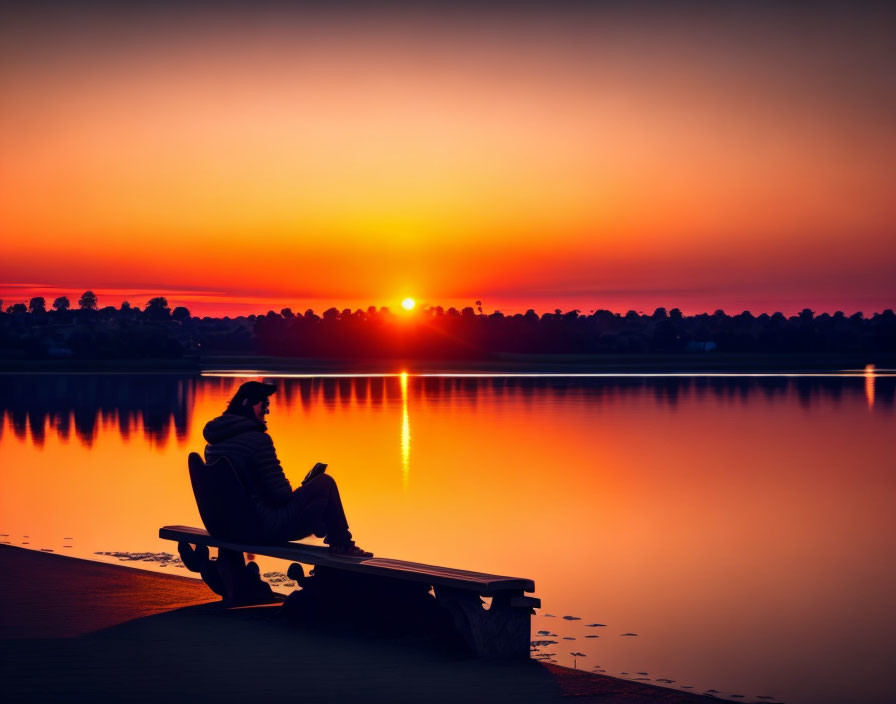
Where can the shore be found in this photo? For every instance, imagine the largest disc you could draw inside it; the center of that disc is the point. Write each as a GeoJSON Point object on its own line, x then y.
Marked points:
{"type": "Point", "coordinates": [706, 362]}
{"type": "Point", "coordinates": [76, 630]}
{"type": "Point", "coordinates": [561, 363]}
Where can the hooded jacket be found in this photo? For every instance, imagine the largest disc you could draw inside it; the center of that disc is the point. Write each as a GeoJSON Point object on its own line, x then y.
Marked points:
{"type": "Point", "coordinates": [245, 442]}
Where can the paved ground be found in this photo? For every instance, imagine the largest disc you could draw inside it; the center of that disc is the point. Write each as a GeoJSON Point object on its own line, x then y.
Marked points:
{"type": "Point", "coordinates": [74, 630]}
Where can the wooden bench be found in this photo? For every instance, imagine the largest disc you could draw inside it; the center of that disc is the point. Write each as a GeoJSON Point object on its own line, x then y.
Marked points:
{"type": "Point", "coordinates": [393, 589]}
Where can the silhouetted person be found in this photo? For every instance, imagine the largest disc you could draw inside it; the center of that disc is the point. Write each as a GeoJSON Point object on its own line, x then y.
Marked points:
{"type": "Point", "coordinates": [282, 513]}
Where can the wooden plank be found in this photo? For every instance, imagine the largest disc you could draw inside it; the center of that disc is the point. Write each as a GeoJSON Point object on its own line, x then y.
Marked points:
{"type": "Point", "coordinates": [479, 582]}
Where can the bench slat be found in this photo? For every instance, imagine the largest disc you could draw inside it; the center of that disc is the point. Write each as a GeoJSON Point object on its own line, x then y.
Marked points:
{"type": "Point", "coordinates": [481, 583]}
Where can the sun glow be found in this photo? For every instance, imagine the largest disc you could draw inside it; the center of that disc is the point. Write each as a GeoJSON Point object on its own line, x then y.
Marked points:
{"type": "Point", "coordinates": [408, 303]}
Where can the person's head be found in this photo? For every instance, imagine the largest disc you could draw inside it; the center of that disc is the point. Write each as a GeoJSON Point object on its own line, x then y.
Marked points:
{"type": "Point", "coordinates": [252, 400]}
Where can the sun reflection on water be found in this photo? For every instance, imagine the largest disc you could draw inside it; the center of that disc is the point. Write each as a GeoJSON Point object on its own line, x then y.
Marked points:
{"type": "Point", "coordinates": [405, 432]}
{"type": "Point", "coordinates": [870, 375]}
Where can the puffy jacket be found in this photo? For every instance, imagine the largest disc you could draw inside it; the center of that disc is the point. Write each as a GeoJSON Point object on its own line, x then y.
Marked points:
{"type": "Point", "coordinates": [245, 442]}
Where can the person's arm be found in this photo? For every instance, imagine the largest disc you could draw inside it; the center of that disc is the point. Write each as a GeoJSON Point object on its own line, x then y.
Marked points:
{"type": "Point", "coordinates": [271, 479]}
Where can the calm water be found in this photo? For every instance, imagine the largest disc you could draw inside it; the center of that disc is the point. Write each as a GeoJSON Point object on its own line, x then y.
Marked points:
{"type": "Point", "coordinates": [742, 527]}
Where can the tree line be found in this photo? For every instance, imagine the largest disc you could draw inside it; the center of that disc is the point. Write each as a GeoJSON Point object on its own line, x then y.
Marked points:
{"type": "Point", "coordinates": [34, 331]}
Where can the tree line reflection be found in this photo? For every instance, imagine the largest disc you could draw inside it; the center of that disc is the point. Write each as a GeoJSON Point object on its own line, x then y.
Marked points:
{"type": "Point", "coordinates": [156, 405]}
{"type": "Point", "coordinates": [161, 406]}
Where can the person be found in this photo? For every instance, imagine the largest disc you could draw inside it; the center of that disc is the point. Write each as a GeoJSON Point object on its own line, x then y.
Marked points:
{"type": "Point", "coordinates": [281, 512]}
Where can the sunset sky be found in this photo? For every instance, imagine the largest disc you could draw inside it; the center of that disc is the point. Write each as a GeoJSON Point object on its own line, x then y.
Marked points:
{"type": "Point", "coordinates": [633, 155]}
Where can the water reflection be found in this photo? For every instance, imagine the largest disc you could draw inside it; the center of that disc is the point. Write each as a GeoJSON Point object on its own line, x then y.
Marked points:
{"type": "Point", "coordinates": [869, 385]}
{"type": "Point", "coordinates": [153, 404]}
{"type": "Point", "coordinates": [405, 432]}
{"type": "Point", "coordinates": [156, 405]}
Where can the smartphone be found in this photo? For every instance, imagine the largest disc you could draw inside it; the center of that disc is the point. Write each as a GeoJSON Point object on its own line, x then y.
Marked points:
{"type": "Point", "coordinates": [316, 470]}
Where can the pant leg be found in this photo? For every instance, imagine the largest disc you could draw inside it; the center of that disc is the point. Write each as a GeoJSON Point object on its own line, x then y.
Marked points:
{"type": "Point", "coordinates": [316, 508]}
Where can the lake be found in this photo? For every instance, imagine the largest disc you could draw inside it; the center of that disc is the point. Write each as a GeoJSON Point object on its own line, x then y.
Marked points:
{"type": "Point", "coordinates": [742, 527]}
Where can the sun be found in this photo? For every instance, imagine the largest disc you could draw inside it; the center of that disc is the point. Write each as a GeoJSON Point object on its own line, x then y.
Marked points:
{"type": "Point", "coordinates": [408, 303]}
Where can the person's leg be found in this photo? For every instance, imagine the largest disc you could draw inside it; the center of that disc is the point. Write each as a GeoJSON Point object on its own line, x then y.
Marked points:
{"type": "Point", "coordinates": [334, 515]}
{"type": "Point", "coordinates": [316, 507]}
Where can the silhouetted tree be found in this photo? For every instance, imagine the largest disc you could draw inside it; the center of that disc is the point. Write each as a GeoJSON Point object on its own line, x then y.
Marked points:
{"type": "Point", "coordinates": [38, 304]}
{"type": "Point", "coordinates": [181, 314]}
{"type": "Point", "coordinates": [87, 301]}
{"type": "Point", "coordinates": [62, 304]}
{"type": "Point", "coordinates": [157, 308]}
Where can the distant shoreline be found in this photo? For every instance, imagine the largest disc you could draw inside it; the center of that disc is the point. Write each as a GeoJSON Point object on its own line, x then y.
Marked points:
{"type": "Point", "coordinates": [541, 363]}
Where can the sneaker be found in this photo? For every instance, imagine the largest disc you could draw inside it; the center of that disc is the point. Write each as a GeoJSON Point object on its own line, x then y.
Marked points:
{"type": "Point", "coordinates": [348, 550]}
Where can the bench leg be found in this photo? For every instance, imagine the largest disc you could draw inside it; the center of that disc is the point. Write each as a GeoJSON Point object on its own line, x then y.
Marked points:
{"type": "Point", "coordinates": [502, 631]}
{"type": "Point", "coordinates": [366, 601]}
{"type": "Point", "coordinates": [238, 583]}
{"type": "Point", "coordinates": [196, 559]}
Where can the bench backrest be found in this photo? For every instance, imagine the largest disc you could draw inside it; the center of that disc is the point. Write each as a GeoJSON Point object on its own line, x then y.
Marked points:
{"type": "Point", "coordinates": [223, 503]}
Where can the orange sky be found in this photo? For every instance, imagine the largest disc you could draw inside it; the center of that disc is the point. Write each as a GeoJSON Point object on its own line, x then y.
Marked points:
{"type": "Point", "coordinates": [253, 159]}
